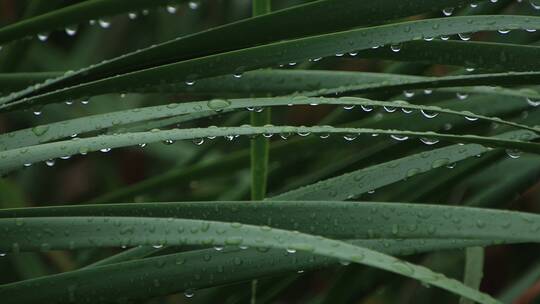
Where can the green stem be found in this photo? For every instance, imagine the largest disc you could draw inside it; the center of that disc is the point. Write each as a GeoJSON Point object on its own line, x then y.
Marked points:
{"type": "Point", "coordinates": [261, 7]}
{"type": "Point", "coordinates": [260, 146]}
{"type": "Point", "coordinates": [259, 157]}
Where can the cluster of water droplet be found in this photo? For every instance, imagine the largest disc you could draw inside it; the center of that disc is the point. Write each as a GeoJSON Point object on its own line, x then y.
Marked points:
{"type": "Point", "coordinates": [106, 23]}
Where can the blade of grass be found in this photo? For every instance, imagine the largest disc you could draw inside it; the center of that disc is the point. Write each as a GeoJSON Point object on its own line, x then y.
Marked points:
{"type": "Point", "coordinates": [64, 129]}
{"type": "Point", "coordinates": [271, 54]}
{"type": "Point", "coordinates": [16, 158]}
{"type": "Point", "coordinates": [332, 219]}
{"type": "Point", "coordinates": [230, 265]}
{"type": "Point", "coordinates": [474, 269]}
{"type": "Point", "coordinates": [142, 231]}
{"type": "Point", "coordinates": [277, 26]}
{"type": "Point", "coordinates": [74, 14]}
{"type": "Point", "coordinates": [364, 180]}
{"type": "Point", "coordinates": [471, 54]}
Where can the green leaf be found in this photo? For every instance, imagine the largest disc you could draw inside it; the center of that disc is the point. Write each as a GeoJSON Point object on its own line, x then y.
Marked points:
{"type": "Point", "coordinates": [471, 54]}
{"type": "Point", "coordinates": [332, 219]}
{"type": "Point", "coordinates": [16, 158]}
{"type": "Point", "coordinates": [173, 273]}
{"type": "Point", "coordinates": [64, 129]}
{"type": "Point", "coordinates": [279, 25]}
{"type": "Point", "coordinates": [92, 232]}
{"type": "Point", "coordinates": [271, 54]}
{"type": "Point", "coordinates": [474, 269]}
{"type": "Point", "coordinates": [73, 15]}
{"type": "Point", "coordinates": [352, 184]}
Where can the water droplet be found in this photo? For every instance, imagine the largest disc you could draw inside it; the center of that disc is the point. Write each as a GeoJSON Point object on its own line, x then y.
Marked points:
{"type": "Point", "coordinates": [198, 141]}
{"type": "Point", "coordinates": [71, 30]}
{"type": "Point", "coordinates": [429, 141]}
{"type": "Point", "coordinates": [158, 246]}
{"type": "Point", "coordinates": [189, 293]}
{"type": "Point", "coordinates": [218, 104]}
{"type": "Point", "coordinates": [399, 137]}
{"type": "Point", "coordinates": [429, 114]}
{"type": "Point", "coordinates": [348, 107]}
{"type": "Point", "coordinates": [533, 102]}
{"type": "Point", "coordinates": [40, 130]}
{"type": "Point", "coordinates": [464, 36]}
{"type": "Point", "coordinates": [513, 153]}
{"type": "Point", "coordinates": [171, 9]}
{"type": "Point", "coordinates": [285, 135]}
{"type": "Point", "coordinates": [345, 263]}
{"type": "Point", "coordinates": [469, 116]}
{"type": "Point", "coordinates": [412, 172]}
{"type": "Point", "coordinates": [85, 101]}
{"type": "Point", "coordinates": [503, 31]}
{"type": "Point", "coordinates": [366, 108]}
{"type": "Point", "coordinates": [105, 150]}
{"type": "Point", "coordinates": [43, 37]}
{"type": "Point", "coordinates": [535, 4]}
{"type": "Point", "coordinates": [408, 94]}
{"type": "Point", "coordinates": [132, 15]}
{"type": "Point", "coordinates": [83, 150]}
{"type": "Point", "coordinates": [389, 109]}
{"type": "Point", "coordinates": [448, 11]}
{"type": "Point", "coordinates": [462, 96]}
{"type": "Point", "coordinates": [194, 5]}
{"type": "Point", "coordinates": [350, 137]}
{"type": "Point", "coordinates": [168, 141]}
{"type": "Point", "coordinates": [104, 23]}
{"type": "Point", "coordinates": [50, 162]}
{"type": "Point", "coordinates": [395, 47]}
{"type": "Point", "coordinates": [428, 91]}
{"type": "Point", "coordinates": [440, 163]}
{"type": "Point", "coordinates": [291, 250]}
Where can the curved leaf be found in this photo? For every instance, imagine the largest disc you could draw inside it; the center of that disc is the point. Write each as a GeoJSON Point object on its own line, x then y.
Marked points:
{"type": "Point", "coordinates": [64, 129]}
{"type": "Point", "coordinates": [92, 232]}
{"type": "Point", "coordinates": [15, 158]}
{"type": "Point", "coordinates": [271, 54]}
{"type": "Point", "coordinates": [173, 273]}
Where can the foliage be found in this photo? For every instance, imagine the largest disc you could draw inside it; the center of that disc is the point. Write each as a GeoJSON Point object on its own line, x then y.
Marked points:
{"type": "Point", "coordinates": [399, 131]}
